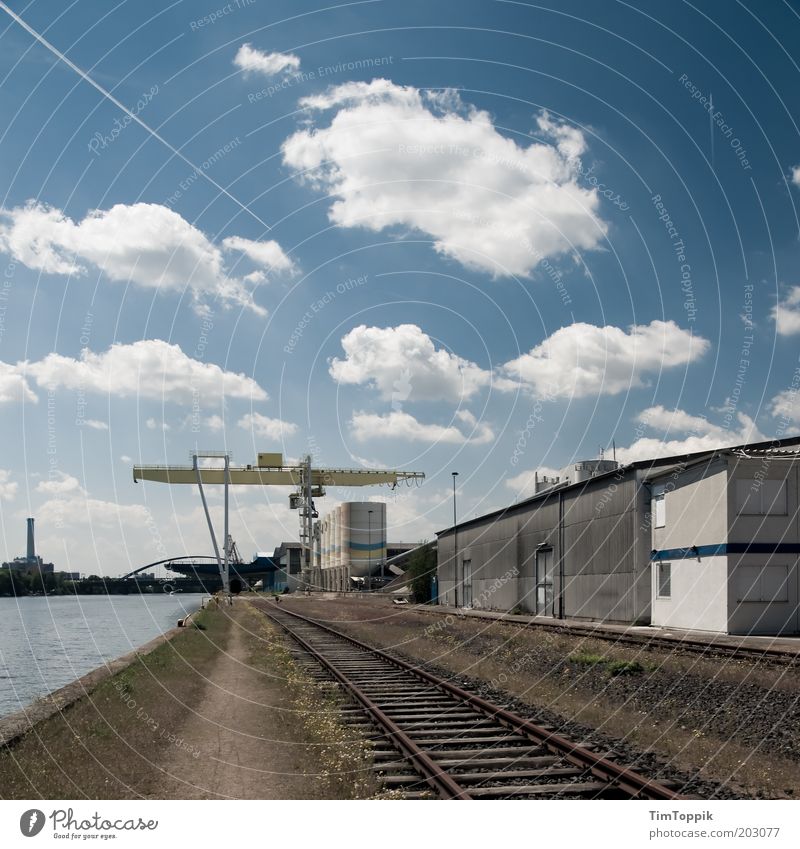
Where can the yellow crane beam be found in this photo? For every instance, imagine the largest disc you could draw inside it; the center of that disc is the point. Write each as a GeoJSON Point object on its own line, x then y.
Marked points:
{"type": "Point", "coordinates": [286, 476]}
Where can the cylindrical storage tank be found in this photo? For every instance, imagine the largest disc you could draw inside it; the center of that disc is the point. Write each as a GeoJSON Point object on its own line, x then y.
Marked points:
{"type": "Point", "coordinates": [367, 536]}
{"type": "Point", "coordinates": [343, 533]}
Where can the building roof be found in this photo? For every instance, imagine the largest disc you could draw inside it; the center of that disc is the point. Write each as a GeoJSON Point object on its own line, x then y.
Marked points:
{"type": "Point", "coordinates": [765, 448]}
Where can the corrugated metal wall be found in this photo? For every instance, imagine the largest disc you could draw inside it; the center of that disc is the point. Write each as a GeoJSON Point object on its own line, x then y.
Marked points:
{"type": "Point", "coordinates": [604, 562]}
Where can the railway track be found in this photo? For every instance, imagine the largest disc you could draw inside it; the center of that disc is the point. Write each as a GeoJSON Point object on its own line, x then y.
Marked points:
{"type": "Point", "coordinates": [432, 738]}
{"type": "Point", "coordinates": [648, 641]}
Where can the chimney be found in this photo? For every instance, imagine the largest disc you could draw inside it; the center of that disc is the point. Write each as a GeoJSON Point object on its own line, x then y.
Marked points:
{"type": "Point", "coordinates": [31, 546]}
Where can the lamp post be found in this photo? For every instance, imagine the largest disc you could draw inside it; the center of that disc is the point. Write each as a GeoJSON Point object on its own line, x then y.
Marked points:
{"type": "Point", "coordinates": [455, 542]}
{"type": "Point", "coordinates": [369, 552]}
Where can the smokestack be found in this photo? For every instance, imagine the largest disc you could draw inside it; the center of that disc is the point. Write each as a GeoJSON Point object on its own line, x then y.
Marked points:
{"type": "Point", "coordinates": [31, 546]}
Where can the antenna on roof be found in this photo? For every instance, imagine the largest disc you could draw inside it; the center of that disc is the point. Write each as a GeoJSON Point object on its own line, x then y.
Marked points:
{"type": "Point", "coordinates": [614, 449]}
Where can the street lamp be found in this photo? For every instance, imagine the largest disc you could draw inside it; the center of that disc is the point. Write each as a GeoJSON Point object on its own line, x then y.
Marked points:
{"type": "Point", "coordinates": [369, 552]}
{"type": "Point", "coordinates": [455, 542]}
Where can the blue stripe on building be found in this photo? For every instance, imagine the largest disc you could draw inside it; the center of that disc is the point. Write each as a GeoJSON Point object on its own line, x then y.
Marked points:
{"type": "Point", "coordinates": [364, 546]}
{"type": "Point", "coordinates": [697, 551]}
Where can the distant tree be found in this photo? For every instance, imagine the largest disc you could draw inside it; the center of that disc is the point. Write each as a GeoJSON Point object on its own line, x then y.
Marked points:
{"type": "Point", "coordinates": [421, 569]}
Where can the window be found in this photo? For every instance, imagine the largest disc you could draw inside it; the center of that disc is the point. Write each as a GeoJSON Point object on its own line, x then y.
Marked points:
{"type": "Point", "coordinates": [658, 507]}
{"type": "Point", "coordinates": [664, 578]}
{"type": "Point", "coordinates": [762, 583]}
{"type": "Point", "coordinates": [761, 497]}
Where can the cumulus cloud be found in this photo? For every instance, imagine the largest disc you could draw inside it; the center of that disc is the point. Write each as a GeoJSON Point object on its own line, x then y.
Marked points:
{"type": "Point", "coordinates": [143, 243]}
{"type": "Point", "coordinates": [150, 368]}
{"type": "Point", "coordinates": [786, 406]}
{"type": "Point", "coordinates": [76, 508]}
{"type": "Point", "coordinates": [583, 359]}
{"type": "Point", "coordinates": [401, 425]}
{"type": "Point", "coordinates": [153, 424]}
{"type": "Point", "coordinates": [796, 175]}
{"type": "Point", "coordinates": [266, 427]}
{"type": "Point", "coordinates": [8, 488]}
{"type": "Point", "coordinates": [696, 434]}
{"type": "Point", "coordinates": [250, 60]}
{"type": "Point", "coordinates": [786, 313]}
{"type": "Point", "coordinates": [404, 364]}
{"type": "Point", "coordinates": [60, 483]}
{"type": "Point", "coordinates": [397, 156]}
{"type": "Point", "coordinates": [13, 386]}
{"type": "Point", "coordinates": [268, 254]}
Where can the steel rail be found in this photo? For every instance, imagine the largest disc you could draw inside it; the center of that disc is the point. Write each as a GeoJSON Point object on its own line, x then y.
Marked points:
{"type": "Point", "coordinates": [433, 774]}
{"type": "Point", "coordinates": [654, 641]}
{"type": "Point", "coordinates": [632, 782]}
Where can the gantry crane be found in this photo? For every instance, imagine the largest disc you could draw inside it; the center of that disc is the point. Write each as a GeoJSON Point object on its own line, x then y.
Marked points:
{"type": "Point", "coordinates": [269, 470]}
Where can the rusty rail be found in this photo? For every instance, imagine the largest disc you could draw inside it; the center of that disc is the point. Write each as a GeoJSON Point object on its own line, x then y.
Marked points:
{"type": "Point", "coordinates": [635, 784]}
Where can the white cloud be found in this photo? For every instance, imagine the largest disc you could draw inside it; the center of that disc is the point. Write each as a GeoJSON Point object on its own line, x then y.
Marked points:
{"type": "Point", "coordinates": [583, 359]}
{"type": "Point", "coordinates": [152, 424]}
{"type": "Point", "coordinates": [796, 175]}
{"type": "Point", "coordinates": [250, 60]}
{"type": "Point", "coordinates": [215, 423]}
{"type": "Point", "coordinates": [8, 488]}
{"type": "Point", "coordinates": [60, 483]}
{"type": "Point", "coordinates": [96, 424]}
{"type": "Point", "coordinates": [149, 368]}
{"type": "Point", "coordinates": [786, 313]}
{"type": "Point", "coordinates": [143, 243]}
{"type": "Point", "coordinates": [269, 254]}
{"type": "Point", "coordinates": [266, 427]}
{"type": "Point", "coordinates": [396, 156]}
{"type": "Point", "coordinates": [404, 364]}
{"type": "Point", "coordinates": [124, 458]}
{"type": "Point", "coordinates": [13, 386]}
{"type": "Point", "coordinates": [698, 434]}
{"type": "Point", "coordinates": [78, 509]}
{"type": "Point", "coordinates": [401, 425]}
{"type": "Point", "coordinates": [786, 405]}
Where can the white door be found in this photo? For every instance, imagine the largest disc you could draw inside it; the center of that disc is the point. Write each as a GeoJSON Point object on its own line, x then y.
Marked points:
{"type": "Point", "coordinates": [544, 582]}
{"type": "Point", "coordinates": [467, 569]}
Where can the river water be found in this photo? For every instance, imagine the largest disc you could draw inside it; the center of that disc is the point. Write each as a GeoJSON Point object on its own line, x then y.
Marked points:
{"type": "Point", "coordinates": [46, 642]}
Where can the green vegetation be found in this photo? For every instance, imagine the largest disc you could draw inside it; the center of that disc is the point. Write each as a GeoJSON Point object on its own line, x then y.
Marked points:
{"type": "Point", "coordinates": [625, 667]}
{"type": "Point", "coordinates": [613, 667]}
{"type": "Point", "coordinates": [422, 569]}
{"type": "Point", "coordinates": [19, 583]}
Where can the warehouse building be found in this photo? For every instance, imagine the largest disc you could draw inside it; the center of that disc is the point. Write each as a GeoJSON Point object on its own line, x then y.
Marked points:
{"type": "Point", "coordinates": [679, 542]}
{"type": "Point", "coordinates": [726, 543]}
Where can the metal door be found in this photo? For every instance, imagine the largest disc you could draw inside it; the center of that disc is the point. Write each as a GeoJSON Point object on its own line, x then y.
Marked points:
{"type": "Point", "coordinates": [467, 569]}
{"type": "Point", "coordinates": [544, 582]}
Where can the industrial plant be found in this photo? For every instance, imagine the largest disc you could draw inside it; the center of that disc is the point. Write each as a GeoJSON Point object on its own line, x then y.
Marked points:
{"type": "Point", "coordinates": [31, 563]}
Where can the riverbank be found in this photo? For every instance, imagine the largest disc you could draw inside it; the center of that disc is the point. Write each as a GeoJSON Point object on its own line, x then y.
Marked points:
{"type": "Point", "coordinates": [216, 710]}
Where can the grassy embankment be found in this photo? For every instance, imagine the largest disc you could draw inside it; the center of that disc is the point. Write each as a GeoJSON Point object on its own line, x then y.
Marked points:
{"type": "Point", "coordinates": [113, 742]}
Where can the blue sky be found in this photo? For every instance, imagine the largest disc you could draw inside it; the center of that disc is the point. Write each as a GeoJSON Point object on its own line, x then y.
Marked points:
{"type": "Point", "coordinates": [489, 237]}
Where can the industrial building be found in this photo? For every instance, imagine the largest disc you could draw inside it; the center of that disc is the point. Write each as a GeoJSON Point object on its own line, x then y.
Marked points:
{"type": "Point", "coordinates": [31, 562]}
{"type": "Point", "coordinates": [707, 541]}
{"type": "Point", "coordinates": [288, 561]}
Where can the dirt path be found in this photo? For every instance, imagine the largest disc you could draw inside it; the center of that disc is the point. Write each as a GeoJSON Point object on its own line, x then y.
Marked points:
{"type": "Point", "coordinates": [233, 745]}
